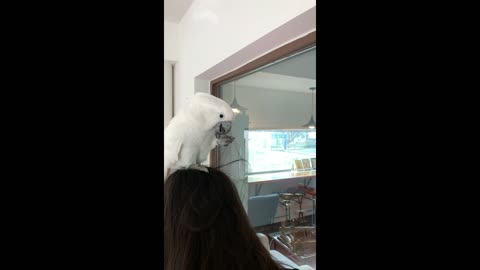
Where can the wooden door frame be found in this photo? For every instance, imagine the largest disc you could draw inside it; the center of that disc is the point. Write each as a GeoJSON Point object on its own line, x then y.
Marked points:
{"type": "Point", "coordinates": [285, 51]}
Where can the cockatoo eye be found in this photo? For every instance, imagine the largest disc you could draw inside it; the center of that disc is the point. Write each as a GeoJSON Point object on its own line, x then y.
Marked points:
{"type": "Point", "coordinates": [221, 115]}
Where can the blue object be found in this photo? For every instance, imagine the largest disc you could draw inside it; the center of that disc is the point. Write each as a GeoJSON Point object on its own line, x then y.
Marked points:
{"type": "Point", "coordinates": [262, 209]}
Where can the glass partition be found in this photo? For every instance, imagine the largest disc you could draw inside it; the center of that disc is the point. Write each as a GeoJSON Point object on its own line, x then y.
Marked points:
{"type": "Point", "coordinates": [272, 159]}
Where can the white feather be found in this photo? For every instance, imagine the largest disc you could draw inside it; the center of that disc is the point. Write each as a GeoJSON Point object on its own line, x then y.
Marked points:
{"type": "Point", "coordinates": [190, 135]}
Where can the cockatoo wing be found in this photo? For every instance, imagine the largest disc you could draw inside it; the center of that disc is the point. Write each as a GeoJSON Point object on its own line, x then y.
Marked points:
{"type": "Point", "coordinates": [173, 148]}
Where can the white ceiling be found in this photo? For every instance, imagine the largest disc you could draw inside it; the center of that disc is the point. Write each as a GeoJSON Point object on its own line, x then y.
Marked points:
{"type": "Point", "coordinates": [175, 9]}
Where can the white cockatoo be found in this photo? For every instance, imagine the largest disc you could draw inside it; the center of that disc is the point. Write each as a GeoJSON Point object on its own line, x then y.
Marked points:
{"type": "Point", "coordinates": [190, 136]}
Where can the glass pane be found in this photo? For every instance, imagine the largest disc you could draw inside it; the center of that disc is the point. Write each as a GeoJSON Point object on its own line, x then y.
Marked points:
{"type": "Point", "coordinates": [272, 159]}
{"type": "Point", "coordinates": [276, 150]}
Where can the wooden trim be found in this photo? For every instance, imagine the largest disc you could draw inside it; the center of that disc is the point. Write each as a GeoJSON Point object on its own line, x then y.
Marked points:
{"type": "Point", "coordinates": [275, 55]}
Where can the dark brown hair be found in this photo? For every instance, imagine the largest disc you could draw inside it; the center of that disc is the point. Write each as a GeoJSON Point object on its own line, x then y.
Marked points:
{"type": "Point", "coordinates": [206, 227]}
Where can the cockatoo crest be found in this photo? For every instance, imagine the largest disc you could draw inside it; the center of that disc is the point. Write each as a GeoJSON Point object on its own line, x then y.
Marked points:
{"type": "Point", "coordinates": [208, 110]}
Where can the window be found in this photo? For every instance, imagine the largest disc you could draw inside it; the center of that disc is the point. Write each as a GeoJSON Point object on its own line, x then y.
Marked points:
{"type": "Point", "coordinates": [275, 125]}
{"type": "Point", "coordinates": [275, 150]}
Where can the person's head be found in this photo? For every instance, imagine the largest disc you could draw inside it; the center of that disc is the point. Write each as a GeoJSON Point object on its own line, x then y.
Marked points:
{"type": "Point", "coordinates": [206, 227]}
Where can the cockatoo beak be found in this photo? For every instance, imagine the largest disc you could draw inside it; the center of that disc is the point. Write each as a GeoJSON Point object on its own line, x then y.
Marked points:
{"type": "Point", "coordinates": [223, 127]}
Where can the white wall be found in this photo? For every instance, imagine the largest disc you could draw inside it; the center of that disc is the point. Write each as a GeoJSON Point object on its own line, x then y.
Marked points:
{"type": "Point", "coordinates": [171, 35]}
{"type": "Point", "coordinates": [167, 92]}
{"type": "Point", "coordinates": [212, 30]}
{"type": "Point", "coordinates": [170, 56]}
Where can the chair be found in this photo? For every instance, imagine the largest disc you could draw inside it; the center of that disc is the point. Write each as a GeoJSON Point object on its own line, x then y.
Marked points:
{"type": "Point", "coordinates": [279, 257]}
{"type": "Point", "coordinates": [262, 209]}
{"type": "Point", "coordinates": [286, 200]}
{"type": "Point", "coordinates": [312, 192]}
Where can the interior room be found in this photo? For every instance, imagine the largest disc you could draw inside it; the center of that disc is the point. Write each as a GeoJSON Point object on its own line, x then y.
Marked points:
{"type": "Point", "coordinates": [260, 58]}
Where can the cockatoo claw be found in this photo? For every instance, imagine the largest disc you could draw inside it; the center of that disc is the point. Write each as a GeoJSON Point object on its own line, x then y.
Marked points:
{"type": "Point", "coordinates": [198, 167]}
{"type": "Point", "coordinates": [224, 140]}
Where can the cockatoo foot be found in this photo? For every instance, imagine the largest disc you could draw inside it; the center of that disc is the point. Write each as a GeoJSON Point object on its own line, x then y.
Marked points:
{"type": "Point", "coordinates": [198, 167]}
{"type": "Point", "coordinates": [224, 140]}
